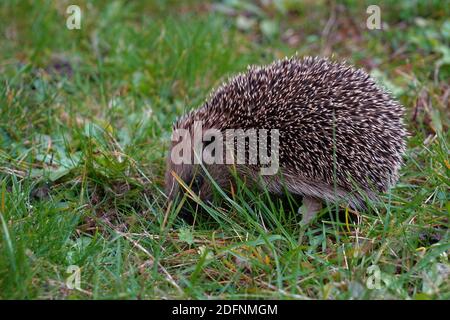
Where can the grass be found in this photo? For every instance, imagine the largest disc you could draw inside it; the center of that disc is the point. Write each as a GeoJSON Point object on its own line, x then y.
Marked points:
{"type": "Point", "coordinates": [85, 124]}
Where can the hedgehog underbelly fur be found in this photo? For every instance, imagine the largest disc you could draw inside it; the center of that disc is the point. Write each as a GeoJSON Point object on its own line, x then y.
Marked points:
{"type": "Point", "coordinates": [341, 136]}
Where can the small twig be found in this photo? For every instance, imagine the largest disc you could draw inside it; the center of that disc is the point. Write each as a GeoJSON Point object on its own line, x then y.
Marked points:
{"type": "Point", "coordinates": [13, 172]}
{"type": "Point", "coordinates": [285, 293]}
{"type": "Point", "coordinates": [345, 257]}
{"type": "Point", "coordinates": [166, 215]}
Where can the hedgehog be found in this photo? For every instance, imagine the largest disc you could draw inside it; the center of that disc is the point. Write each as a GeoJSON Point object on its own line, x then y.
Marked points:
{"type": "Point", "coordinates": [340, 136]}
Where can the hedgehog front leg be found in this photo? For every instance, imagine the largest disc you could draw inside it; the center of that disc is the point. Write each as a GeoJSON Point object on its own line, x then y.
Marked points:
{"type": "Point", "coordinates": [309, 209]}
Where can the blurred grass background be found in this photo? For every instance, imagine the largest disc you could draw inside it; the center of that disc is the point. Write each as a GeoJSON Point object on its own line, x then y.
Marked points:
{"type": "Point", "coordinates": [85, 119]}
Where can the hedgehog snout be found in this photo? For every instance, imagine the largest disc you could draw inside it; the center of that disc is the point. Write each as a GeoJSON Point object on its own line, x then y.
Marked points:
{"type": "Point", "coordinates": [187, 178]}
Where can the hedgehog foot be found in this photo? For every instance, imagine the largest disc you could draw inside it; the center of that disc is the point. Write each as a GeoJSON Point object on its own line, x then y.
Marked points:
{"type": "Point", "coordinates": [309, 209]}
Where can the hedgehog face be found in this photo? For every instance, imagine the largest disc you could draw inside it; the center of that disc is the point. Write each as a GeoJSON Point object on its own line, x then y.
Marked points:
{"type": "Point", "coordinates": [192, 177]}
{"type": "Point", "coordinates": [195, 179]}
{"type": "Point", "coordinates": [181, 166]}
